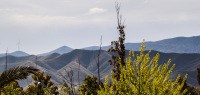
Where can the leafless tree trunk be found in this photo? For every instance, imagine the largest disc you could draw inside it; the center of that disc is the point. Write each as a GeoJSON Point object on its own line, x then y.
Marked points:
{"type": "Point", "coordinates": [36, 61]}
{"type": "Point", "coordinates": [78, 71]}
{"type": "Point", "coordinates": [6, 58]}
{"type": "Point", "coordinates": [98, 61]}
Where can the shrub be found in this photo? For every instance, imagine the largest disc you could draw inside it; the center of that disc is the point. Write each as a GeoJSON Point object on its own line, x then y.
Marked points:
{"type": "Point", "coordinates": [12, 88]}
{"type": "Point", "coordinates": [142, 77]}
{"type": "Point", "coordinates": [90, 86]}
{"type": "Point", "coordinates": [39, 77]}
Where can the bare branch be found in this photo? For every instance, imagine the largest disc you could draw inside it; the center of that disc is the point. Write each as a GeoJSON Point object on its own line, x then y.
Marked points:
{"type": "Point", "coordinates": [64, 78]}
{"type": "Point", "coordinates": [69, 80]}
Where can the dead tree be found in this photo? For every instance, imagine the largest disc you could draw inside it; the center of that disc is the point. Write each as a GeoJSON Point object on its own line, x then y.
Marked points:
{"type": "Point", "coordinates": [36, 61]}
{"type": "Point", "coordinates": [69, 80]}
{"type": "Point", "coordinates": [98, 62]}
{"type": "Point", "coordinates": [78, 71]}
{"type": "Point", "coordinates": [6, 59]}
{"type": "Point", "coordinates": [119, 47]}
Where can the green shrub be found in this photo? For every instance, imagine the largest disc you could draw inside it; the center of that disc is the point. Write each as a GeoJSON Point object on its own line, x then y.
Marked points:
{"type": "Point", "coordinates": [39, 77]}
{"type": "Point", "coordinates": [12, 88]}
{"type": "Point", "coordinates": [90, 86]}
{"type": "Point", "coordinates": [141, 77]}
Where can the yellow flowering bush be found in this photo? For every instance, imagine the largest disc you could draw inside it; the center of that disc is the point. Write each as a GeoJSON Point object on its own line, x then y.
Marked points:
{"type": "Point", "coordinates": [141, 77]}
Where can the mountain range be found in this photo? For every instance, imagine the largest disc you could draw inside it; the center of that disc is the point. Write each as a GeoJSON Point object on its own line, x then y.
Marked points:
{"type": "Point", "coordinates": [172, 45]}
{"type": "Point", "coordinates": [56, 64]}
{"type": "Point", "coordinates": [183, 51]}
{"type": "Point", "coordinates": [16, 53]}
{"type": "Point", "coordinates": [60, 50]}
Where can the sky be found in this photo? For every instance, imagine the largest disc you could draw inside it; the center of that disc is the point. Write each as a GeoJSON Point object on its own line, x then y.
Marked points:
{"type": "Point", "coordinates": [45, 25]}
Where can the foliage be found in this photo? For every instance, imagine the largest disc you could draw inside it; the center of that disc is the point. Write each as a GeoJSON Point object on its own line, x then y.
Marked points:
{"type": "Point", "coordinates": [198, 75]}
{"type": "Point", "coordinates": [16, 73]}
{"type": "Point", "coordinates": [51, 90]}
{"type": "Point", "coordinates": [185, 86]}
{"type": "Point", "coordinates": [39, 77]}
{"type": "Point", "coordinates": [142, 77]}
{"type": "Point", "coordinates": [90, 86]}
{"type": "Point", "coordinates": [64, 89]}
{"type": "Point", "coordinates": [191, 90]}
{"type": "Point", "coordinates": [31, 90]}
{"type": "Point", "coordinates": [12, 88]}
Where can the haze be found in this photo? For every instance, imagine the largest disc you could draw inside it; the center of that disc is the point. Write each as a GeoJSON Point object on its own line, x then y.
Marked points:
{"type": "Point", "coordinates": [44, 25]}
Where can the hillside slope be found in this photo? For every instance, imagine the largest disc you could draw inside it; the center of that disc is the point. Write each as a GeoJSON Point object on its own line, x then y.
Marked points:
{"type": "Point", "coordinates": [172, 45]}
{"type": "Point", "coordinates": [56, 64]}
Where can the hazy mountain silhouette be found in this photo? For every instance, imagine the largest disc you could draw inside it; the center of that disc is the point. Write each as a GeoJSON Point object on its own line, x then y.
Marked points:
{"type": "Point", "coordinates": [176, 45]}
{"type": "Point", "coordinates": [16, 53]}
{"type": "Point", "coordinates": [61, 50]}
{"type": "Point", "coordinates": [56, 64]}
{"type": "Point", "coordinates": [91, 48]}
{"type": "Point", "coordinates": [172, 45]}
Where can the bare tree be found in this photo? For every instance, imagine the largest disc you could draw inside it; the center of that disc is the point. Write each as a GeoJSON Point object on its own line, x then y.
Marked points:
{"type": "Point", "coordinates": [69, 79]}
{"type": "Point", "coordinates": [98, 61]}
{"type": "Point", "coordinates": [6, 59]}
{"type": "Point", "coordinates": [36, 61]}
{"type": "Point", "coordinates": [78, 71]}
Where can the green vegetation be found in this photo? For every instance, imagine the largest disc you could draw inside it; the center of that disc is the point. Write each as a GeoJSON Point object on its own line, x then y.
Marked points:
{"type": "Point", "coordinates": [90, 86]}
{"type": "Point", "coordinates": [16, 73]}
{"type": "Point", "coordinates": [8, 79]}
{"type": "Point", "coordinates": [39, 77]}
{"type": "Point", "coordinates": [12, 88]}
{"type": "Point", "coordinates": [65, 90]}
{"type": "Point", "coordinates": [141, 78]}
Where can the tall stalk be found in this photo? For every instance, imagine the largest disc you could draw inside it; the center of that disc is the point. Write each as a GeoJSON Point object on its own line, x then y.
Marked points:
{"type": "Point", "coordinates": [98, 62]}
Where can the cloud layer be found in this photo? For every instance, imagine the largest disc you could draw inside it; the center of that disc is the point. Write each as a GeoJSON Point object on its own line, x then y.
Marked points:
{"type": "Point", "coordinates": [49, 24]}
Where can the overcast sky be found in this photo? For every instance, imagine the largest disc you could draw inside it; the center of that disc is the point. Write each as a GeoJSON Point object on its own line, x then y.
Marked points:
{"type": "Point", "coordinates": [44, 25]}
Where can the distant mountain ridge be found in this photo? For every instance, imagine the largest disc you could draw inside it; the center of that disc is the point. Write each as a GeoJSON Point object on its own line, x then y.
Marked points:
{"type": "Point", "coordinates": [54, 64]}
{"type": "Point", "coordinates": [172, 45]}
{"type": "Point", "coordinates": [60, 50]}
{"type": "Point", "coordinates": [16, 53]}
